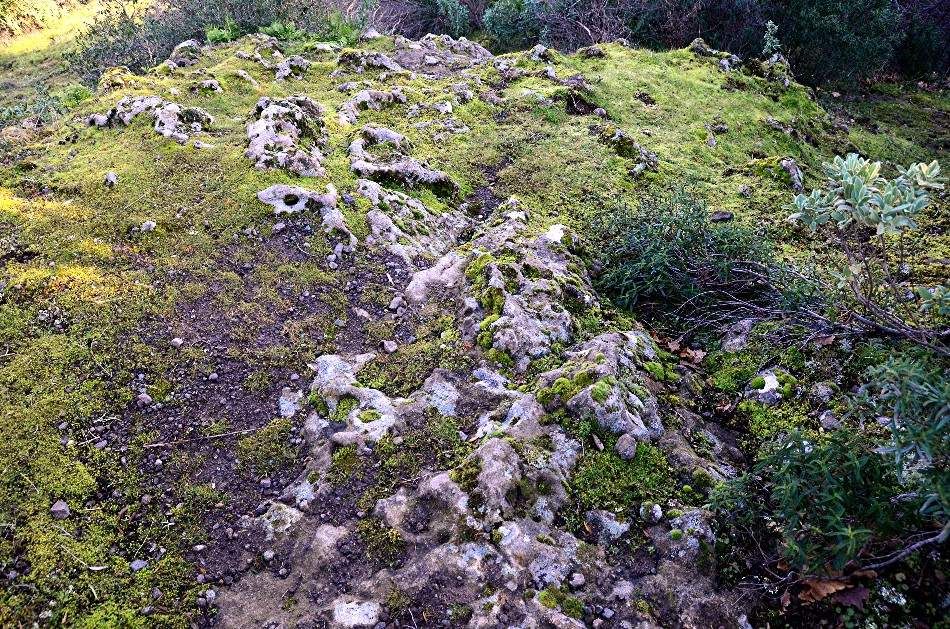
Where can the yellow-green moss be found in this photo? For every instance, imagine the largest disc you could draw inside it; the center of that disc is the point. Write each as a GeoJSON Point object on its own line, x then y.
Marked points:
{"type": "Point", "coordinates": [267, 449]}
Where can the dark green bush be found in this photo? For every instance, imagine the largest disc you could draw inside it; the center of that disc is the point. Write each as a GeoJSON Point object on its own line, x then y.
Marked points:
{"type": "Point", "coordinates": [418, 17]}
{"type": "Point", "coordinates": [667, 254]}
{"type": "Point", "coordinates": [925, 34]}
{"type": "Point", "coordinates": [512, 24]}
{"type": "Point", "coordinates": [829, 497]}
{"type": "Point", "coordinates": [837, 39]}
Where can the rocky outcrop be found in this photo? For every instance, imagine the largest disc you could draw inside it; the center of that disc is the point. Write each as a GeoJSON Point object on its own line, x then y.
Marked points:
{"type": "Point", "coordinates": [395, 167]}
{"type": "Point", "coordinates": [288, 133]}
{"type": "Point", "coordinates": [172, 120]}
{"type": "Point", "coordinates": [287, 199]}
{"type": "Point", "coordinates": [369, 99]}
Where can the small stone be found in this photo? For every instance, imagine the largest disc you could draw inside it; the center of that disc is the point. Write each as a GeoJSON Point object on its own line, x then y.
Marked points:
{"type": "Point", "coordinates": [278, 228]}
{"type": "Point", "coordinates": [627, 447]}
{"type": "Point", "coordinates": [60, 510]}
{"type": "Point", "coordinates": [210, 595]}
{"type": "Point", "coordinates": [138, 564]}
{"type": "Point", "coordinates": [111, 179]}
{"type": "Point", "coordinates": [177, 342]}
{"type": "Point", "coordinates": [828, 421]}
{"type": "Point", "coordinates": [600, 112]}
{"type": "Point", "coordinates": [608, 613]}
{"type": "Point", "coordinates": [148, 226]}
{"type": "Point", "coordinates": [143, 399]}
{"type": "Point", "coordinates": [390, 346]}
{"type": "Point", "coordinates": [578, 580]}
{"type": "Point", "coordinates": [396, 303]}
{"type": "Point", "coordinates": [720, 216]}
{"type": "Point", "coordinates": [651, 512]}
{"type": "Point", "coordinates": [213, 376]}
{"type": "Point", "coordinates": [268, 555]}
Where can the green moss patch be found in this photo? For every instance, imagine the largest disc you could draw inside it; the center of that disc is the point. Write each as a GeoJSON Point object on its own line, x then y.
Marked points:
{"type": "Point", "coordinates": [268, 449]}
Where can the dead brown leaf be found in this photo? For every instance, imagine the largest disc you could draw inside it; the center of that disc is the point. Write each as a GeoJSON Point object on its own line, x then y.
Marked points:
{"type": "Point", "coordinates": [852, 597]}
{"type": "Point", "coordinates": [817, 589]}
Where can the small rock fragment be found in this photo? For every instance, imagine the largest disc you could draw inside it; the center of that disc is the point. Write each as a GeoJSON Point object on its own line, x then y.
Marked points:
{"type": "Point", "coordinates": [138, 564]}
{"type": "Point", "coordinates": [60, 510]}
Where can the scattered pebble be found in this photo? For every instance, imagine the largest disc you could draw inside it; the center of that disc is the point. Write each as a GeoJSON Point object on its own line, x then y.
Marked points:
{"type": "Point", "coordinates": [138, 564]}
{"type": "Point", "coordinates": [60, 510]}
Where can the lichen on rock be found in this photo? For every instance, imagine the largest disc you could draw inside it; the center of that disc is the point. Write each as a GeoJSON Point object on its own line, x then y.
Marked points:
{"type": "Point", "coordinates": [288, 133]}
{"type": "Point", "coordinates": [171, 120]}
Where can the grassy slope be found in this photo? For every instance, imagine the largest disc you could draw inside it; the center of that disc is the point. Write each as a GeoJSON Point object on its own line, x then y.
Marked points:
{"type": "Point", "coordinates": [33, 63]}
{"type": "Point", "coordinates": [82, 293]}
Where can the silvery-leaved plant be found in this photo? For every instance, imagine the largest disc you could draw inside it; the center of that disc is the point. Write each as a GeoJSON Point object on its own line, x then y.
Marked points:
{"type": "Point", "coordinates": [857, 194]}
{"type": "Point", "coordinates": [868, 217]}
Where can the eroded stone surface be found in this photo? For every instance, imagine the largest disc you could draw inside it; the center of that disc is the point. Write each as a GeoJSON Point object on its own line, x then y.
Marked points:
{"type": "Point", "coordinates": [172, 120]}
{"type": "Point", "coordinates": [288, 133]}
{"type": "Point", "coordinates": [397, 165]}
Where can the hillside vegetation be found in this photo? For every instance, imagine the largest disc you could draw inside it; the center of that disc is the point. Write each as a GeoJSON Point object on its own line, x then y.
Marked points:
{"type": "Point", "coordinates": [406, 332]}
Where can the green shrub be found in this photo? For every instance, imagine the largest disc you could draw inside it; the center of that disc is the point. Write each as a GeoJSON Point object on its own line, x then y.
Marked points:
{"type": "Point", "coordinates": [337, 27]}
{"type": "Point", "coordinates": [44, 106]}
{"type": "Point", "coordinates": [666, 253]}
{"type": "Point", "coordinates": [866, 215]}
{"type": "Point", "coordinates": [838, 39]}
{"type": "Point", "coordinates": [73, 95]}
{"type": "Point", "coordinates": [284, 31]}
{"type": "Point", "coordinates": [913, 393]}
{"type": "Point", "coordinates": [229, 31]}
{"type": "Point", "coordinates": [512, 24]}
{"type": "Point", "coordinates": [830, 499]}
{"type": "Point", "coordinates": [420, 17]}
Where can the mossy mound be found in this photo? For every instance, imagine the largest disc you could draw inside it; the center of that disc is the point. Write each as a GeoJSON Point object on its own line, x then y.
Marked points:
{"type": "Point", "coordinates": [96, 280]}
